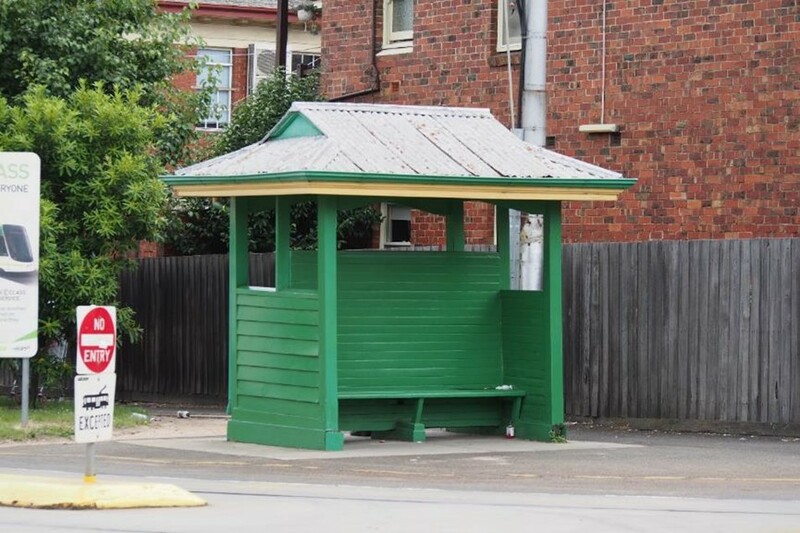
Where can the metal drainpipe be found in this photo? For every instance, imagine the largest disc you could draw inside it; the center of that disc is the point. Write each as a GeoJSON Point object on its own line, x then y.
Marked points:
{"type": "Point", "coordinates": [533, 123]}
{"type": "Point", "coordinates": [534, 98]}
{"type": "Point", "coordinates": [376, 74]}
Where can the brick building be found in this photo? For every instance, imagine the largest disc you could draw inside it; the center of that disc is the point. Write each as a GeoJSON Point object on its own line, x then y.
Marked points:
{"type": "Point", "coordinates": [704, 95]}
{"type": "Point", "coordinates": [240, 39]}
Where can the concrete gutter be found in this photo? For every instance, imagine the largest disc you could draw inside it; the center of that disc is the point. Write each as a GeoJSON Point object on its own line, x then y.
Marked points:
{"type": "Point", "coordinates": [61, 493]}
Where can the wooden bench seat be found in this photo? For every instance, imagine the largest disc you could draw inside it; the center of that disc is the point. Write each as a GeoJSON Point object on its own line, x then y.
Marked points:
{"type": "Point", "coordinates": [361, 394]}
{"type": "Point", "coordinates": [414, 429]}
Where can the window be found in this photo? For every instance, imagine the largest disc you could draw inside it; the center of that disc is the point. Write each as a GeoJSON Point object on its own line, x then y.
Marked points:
{"type": "Point", "coordinates": [262, 62]}
{"type": "Point", "coordinates": [511, 39]}
{"type": "Point", "coordinates": [396, 225]}
{"type": "Point", "coordinates": [303, 64]}
{"type": "Point", "coordinates": [217, 73]}
{"type": "Point", "coordinates": [398, 23]}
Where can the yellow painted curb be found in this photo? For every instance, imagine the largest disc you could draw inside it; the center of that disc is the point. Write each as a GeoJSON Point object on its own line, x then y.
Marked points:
{"type": "Point", "coordinates": [62, 493]}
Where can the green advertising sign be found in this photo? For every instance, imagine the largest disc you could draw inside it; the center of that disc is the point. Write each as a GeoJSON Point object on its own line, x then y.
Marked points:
{"type": "Point", "coordinates": [19, 254]}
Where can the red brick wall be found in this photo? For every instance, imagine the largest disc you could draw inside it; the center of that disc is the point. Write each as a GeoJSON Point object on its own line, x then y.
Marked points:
{"type": "Point", "coordinates": [346, 57]}
{"type": "Point", "coordinates": [428, 229]}
{"type": "Point", "coordinates": [454, 61]}
{"type": "Point", "coordinates": [479, 223]}
{"type": "Point", "coordinates": [427, 76]}
{"type": "Point", "coordinates": [707, 95]}
{"type": "Point", "coordinates": [239, 75]}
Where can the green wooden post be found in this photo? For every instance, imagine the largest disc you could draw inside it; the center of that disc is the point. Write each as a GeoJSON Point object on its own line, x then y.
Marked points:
{"type": "Point", "coordinates": [503, 246]}
{"type": "Point", "coordinates": [283, 207]}
{"type": "Point", "coordinates": [328, 323]}
{"type": "Point", "coordinates": [238, 274]}
{"type": "Point", "coordinates": [553, 294]}
{"type": "Point", "coordinates": [455, 226]}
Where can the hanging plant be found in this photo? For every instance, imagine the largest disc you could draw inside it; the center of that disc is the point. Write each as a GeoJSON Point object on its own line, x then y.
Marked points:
{"type": "Point", "coordinates": [308, 11]}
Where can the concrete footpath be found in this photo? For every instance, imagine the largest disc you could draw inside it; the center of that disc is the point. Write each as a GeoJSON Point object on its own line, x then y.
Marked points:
{"type": "Point", "coordinates": [205, 434]}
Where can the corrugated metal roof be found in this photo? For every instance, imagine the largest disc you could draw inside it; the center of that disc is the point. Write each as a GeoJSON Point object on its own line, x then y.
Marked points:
{"type": "Point", "coordinates": [395, 139]}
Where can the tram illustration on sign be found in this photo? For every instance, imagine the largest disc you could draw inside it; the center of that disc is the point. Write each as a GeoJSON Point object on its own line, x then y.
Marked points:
{"type": "Point", "coordinates": [15, 249]}
{"type": "Point", "coordinates": [96, 401]}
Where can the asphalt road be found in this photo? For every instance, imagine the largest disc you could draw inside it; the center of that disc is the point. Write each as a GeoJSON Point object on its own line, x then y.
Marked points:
{"type": "Point", "coordinates": [603, 480]}
{"type": "Point", "coordinates": [277, 508]}
{"type": "Point", "coordinates": [595, 462]}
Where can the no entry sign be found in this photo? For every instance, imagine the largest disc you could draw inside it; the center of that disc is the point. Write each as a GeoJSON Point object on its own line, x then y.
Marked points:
{"type": "Point", "coordinates": [97, 339]}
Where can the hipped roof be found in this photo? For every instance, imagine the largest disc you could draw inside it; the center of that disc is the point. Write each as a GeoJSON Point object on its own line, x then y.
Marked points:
{"type": "Point", "coordinates": [396, 151]}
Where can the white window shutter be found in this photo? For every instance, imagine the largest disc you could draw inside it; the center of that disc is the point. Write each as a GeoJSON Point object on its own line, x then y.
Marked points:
{"type": "Point", "coordinates": [261, 63]}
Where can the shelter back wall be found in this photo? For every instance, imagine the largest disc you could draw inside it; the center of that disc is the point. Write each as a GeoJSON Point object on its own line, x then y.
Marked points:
{"type": "Point", "coordinates": [428, 320]}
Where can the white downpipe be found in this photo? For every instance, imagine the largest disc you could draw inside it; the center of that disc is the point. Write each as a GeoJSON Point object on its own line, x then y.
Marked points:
{"type": "Point", "coordinates": [603, 71]}
{"type": "Point", "coordinates": [534, 121]}
{"type": "Point", "coordinates": [531, 253]}
{"type": "Point", "coordinates": [512, 112]}
{"type": "Point", "coordinates": [534, 98]}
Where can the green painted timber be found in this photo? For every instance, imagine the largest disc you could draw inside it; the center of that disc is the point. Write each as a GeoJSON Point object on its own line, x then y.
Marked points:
{"type": "Point", "coordinates": [416, 393]}
{"type": "Point", "coordinates": [409, 411]}
{"type": "Point", "coordinates": [454, 228]}
{"type": "Point", "coordinates": [383, 415]}
{"type": "Point", "coordinates": [423, 319]}
{"type": "Point", "coordinates": [283, 224]}
{"type": "Point", "coordinates": [238, 273]}
{"type": "Point", "coordinates": [532, 349]}
{"type": "Point", "coordinates": [503, 245]}
{"type": "Point", "coordinates": [393, 342]}
{"type": "Point", "coordinates": [369, 177]}
{"type": "Point", "coordinates": [278, 370]}
{"type": "Point", "coordinates": [526, 354]}
{"type": "Point", "coordinates": [414, 325]}
{"type": "Point", "coordinates": [327, 284]}
{"type": "Point", "coordinates": [553, 292]}
{"type": "Point", "coordinates": [290, 436]}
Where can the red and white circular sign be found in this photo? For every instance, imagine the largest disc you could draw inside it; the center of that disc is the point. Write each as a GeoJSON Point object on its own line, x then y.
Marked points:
{"type": "Point", "coordinates": [97, 339]}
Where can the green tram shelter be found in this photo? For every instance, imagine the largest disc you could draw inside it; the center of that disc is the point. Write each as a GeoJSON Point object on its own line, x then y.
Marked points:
{"type": "Point", "coordinates": [388, 342]}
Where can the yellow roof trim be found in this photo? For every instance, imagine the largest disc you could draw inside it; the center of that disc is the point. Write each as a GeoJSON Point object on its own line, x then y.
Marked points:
{"type": "Point", "coordinates": [394, 190]}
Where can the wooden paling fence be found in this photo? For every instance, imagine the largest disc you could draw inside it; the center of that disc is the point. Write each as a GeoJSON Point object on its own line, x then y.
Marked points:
{"type": "Point", "coordinates": [703, 330]}
{"type": "Point", "coordinates": [182, 305]}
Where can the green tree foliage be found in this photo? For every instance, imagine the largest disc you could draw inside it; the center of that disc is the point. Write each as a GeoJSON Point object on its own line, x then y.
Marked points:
{"type": "Point", "coordinates": [101, 195]}
{"type": "Point", "coordinates": [122, 43]}
{"type": "Point", "coordinates": [253, 118]}
{"type": "Point", "coordinates": [201, 225]}
{"type": "Point", "coordinates": [80, 84]}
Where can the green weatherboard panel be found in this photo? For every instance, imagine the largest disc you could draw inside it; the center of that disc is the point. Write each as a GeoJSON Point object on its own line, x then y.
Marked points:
{"type": "Point", "coordinates": [528, 364]}
{"type": "Point", "coordinates": [438, 321]}
{"type": "Point", "coordinates": [304, 270]}
{"type": "Point", "coordinates": [277, 370]}
{"type": "Point", "coordinates": [415, 319]}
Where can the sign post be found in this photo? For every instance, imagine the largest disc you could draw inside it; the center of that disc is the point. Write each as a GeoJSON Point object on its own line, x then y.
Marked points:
{"type": "Point", "coordinates": [20, 176]}
{"type": "Point", "coordinates": [95, 382]}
